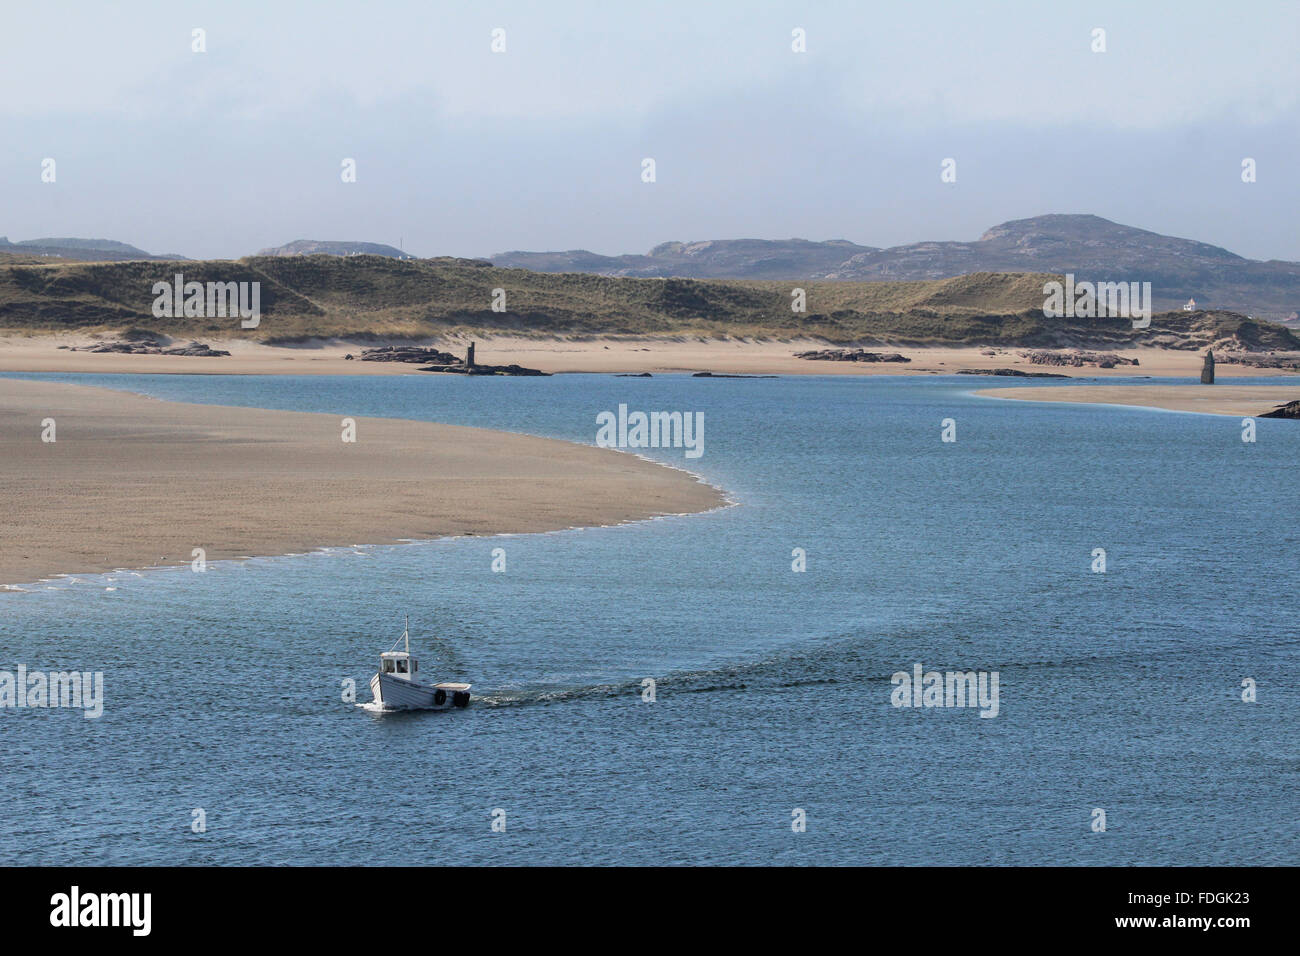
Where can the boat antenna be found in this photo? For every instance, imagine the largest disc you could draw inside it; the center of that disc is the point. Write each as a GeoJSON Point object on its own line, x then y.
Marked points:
{"type": "Point", "coordinates": [407, 634]}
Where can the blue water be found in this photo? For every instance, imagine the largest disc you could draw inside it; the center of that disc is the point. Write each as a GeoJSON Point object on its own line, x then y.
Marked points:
{"type": "Point", "coordinates": [1118, 691]}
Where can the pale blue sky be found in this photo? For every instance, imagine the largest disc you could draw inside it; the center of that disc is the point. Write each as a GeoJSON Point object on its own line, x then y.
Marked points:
{"type": "Point", "coordinates": [465, 152]}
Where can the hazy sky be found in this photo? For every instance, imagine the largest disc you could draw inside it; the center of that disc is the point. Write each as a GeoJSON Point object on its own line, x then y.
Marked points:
{"type": "Point", "coordinates": [462, 151]}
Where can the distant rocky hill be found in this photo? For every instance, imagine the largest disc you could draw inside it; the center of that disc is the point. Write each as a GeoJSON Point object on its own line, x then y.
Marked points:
{"type": "Point", "coordinates": [316, 247]}
{"type": "Point", "coordinates": [717, 259]}
{"type": "Point", "coordinates": [88, 250]}
{"type": "Point", "coordinates": [1089, 246]}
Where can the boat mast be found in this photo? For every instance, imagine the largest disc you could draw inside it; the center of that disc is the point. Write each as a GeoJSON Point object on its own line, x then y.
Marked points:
{"type": "Point", "coordinates": [407, 634]}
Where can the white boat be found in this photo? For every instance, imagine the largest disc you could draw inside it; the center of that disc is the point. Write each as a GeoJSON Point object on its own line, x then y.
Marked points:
{"type": "Point", "coordinates": [397, 686]}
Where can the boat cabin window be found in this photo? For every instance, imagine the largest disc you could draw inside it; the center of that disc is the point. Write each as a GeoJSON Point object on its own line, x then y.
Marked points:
{"type": "Point", "coordinates": [401, 666]}
{"type": "Point", "coordinates": [388, 667]}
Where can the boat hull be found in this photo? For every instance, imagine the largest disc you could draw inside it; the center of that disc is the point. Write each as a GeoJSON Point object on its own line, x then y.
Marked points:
{"type": "Point", "coordinates": [394, 693]}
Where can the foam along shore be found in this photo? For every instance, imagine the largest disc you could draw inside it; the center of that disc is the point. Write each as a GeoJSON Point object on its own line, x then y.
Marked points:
{"type": "Point", "coordinates": [1245, 401]}
{"type": "Point", "coordinates": [133, 482]}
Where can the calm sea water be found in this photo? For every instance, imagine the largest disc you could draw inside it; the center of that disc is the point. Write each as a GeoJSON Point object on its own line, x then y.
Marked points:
{"type": "Point", "coordinates": [1119, 691]}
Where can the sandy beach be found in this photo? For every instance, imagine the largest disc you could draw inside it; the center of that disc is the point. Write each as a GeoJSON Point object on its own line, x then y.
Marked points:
{"type": "Point", "coordinates": [604, 356]}
{"type": "Point", "coordinates": [1240, 400]}
{"type": "Point", "coordinates": [134, 482]}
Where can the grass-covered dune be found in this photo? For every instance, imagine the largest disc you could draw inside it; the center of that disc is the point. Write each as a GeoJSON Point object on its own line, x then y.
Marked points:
{"type": "Point", "coordinates": [375, 297]}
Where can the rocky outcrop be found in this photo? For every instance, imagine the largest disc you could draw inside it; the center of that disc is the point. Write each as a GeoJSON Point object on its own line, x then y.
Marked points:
{"type": "Point", "coordinates": [1012, 372]}
{"type": "Point", "coordinates": [197, 350]}
{"type": "Point", "coordinates": [1289, 410]}
{"type": "Point", "coordinates": [471, 366]}
{"type": "Point", "coordinates": [412, 354]}
{"type": "Point", "coordinates": [152, 347]}
{"type": "Point", "coordinates": [1207, 370]}
{"type": "Point", "coordinates": [1287, 362]}
{"type": "Point", "coordinates": [1078, 359]}
{"type": "Point", "coordinates": [480, 369]}
{"type": "Point", "coordinates": [851, 355]}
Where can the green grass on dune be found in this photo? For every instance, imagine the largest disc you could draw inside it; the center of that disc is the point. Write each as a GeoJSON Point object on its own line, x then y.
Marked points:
{"type": "Point", "coordinates": [373, 297]}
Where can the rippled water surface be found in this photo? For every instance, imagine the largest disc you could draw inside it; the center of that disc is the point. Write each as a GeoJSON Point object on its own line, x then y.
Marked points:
{"type": "Point", "coordinates": [1119, 691]}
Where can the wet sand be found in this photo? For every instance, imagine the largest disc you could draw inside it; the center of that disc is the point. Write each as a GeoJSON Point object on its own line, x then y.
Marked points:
{"type": "Point", "coordinates": [1245, 401]}
{"type": "Point", "coordinates": [133, 482]}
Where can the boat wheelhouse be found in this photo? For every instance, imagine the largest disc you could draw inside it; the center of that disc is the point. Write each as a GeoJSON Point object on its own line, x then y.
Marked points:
{"type": "Point", "coordinates": [397, 686]}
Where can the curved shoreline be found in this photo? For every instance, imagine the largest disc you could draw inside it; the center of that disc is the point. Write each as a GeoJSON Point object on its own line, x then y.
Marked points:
{"type": "Point", "coordinates": [137, 482]}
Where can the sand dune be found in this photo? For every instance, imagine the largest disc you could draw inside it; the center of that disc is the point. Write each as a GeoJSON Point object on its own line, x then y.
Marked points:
{"type": "Point", "coordinates": [135, 482]}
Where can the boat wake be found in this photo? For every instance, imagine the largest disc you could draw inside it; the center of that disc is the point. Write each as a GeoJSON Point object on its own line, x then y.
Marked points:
{"type": "Point", "coordinates": [847, 658]}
